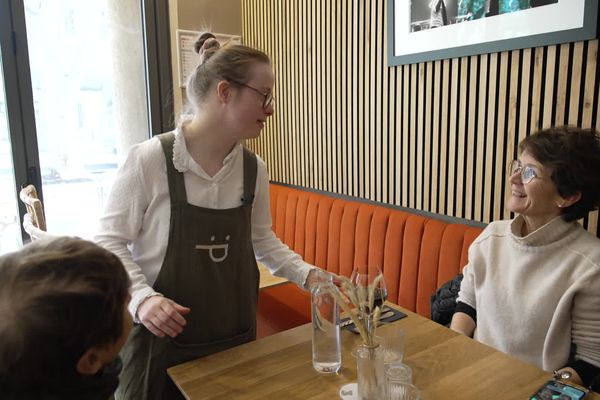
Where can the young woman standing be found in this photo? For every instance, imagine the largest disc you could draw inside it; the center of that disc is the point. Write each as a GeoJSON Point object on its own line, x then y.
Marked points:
{"type": "Point", "coordinates": [189, 216]}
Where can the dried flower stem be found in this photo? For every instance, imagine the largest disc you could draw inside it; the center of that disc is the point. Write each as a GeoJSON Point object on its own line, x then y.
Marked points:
{"type": "Point", "coordinates": [362, 299]}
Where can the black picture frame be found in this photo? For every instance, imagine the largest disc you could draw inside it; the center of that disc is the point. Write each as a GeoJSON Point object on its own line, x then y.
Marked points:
{"type": "Point", "coordinates": [414, 37]}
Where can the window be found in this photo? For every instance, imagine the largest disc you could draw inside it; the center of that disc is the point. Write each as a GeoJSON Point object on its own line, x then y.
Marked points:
{"type": "Point", "coordinates": [85, 101]}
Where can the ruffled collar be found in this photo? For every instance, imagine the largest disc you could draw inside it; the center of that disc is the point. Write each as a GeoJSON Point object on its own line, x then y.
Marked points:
{"type": "Point", "coordinates": [556, 229]}
{"type": "Point", "coordinates": [183, 161]}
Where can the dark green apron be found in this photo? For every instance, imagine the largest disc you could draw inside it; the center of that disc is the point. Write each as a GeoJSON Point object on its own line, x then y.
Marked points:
{"type": "Point", "coordinates": [210, 267]}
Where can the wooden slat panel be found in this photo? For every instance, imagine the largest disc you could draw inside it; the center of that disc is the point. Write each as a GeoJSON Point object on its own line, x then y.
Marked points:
{"type": "Point", "coordinates": [395, 126]}
{"type": "Point", "coordinates": [590, 83]}
{"type": "Point", "coordinates": [375, 115]}
{"type": "Point", "coordinates": [536, 89]}
{"type": "Point", "coordinates": [549, 87]}
{"type": "Point", "coordinates": [344, 131]}
{"type": "Point", "coordinates": [336, 130]}
{"type": "Point", "coordinates": [577, 62]}
{"type": "Point", "coordinates": [471, 152]}
{"type": "Point", "coordinates": [452, 142]}
{"type": "Point", "coordinates": [499, 169]}
{"type": "Point", "coordinates": [293, 93]}
{"type": "Point", "coordinates": [419, 135]}
{"type": "Point", "coordinates": [435, 136]}
{"type": "Point", "coordinates": [461, 138]}
{"type": "Point", "coordinates": [405, 134]}
{"type": "Point", "coordinates": [304, 169]}
{"type": "Point", "coordinates": [479, 163]}
{"type": "Point", "coordinates": [354, 153]}
{"type": "Point", "coordinates": [435, 151]}
{"type": "Point", "coordinates": [524, 100]}
{"type": "Point", "coordinates": [490, 139]}
{"type": "Point", "coordinates": [327, 92]}
{"type": "Point", "coordinates": [383, 173]}
{"type": "Point", "coordinates": [412, 138]}
{"type": "Point", "coordinates": [368, 110]}
{"type": "Point", "coordinates": [561, 88]}
{"type": "Point", "coordinates": [427, 164]}
{"type": "Point", "coordinates": [444, 133]}
{"type": "Point", "coordinates": [512, 140]}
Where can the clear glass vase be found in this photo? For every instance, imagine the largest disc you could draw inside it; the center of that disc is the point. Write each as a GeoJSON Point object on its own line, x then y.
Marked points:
{"type": "Point", "coordinates": [369, 372]}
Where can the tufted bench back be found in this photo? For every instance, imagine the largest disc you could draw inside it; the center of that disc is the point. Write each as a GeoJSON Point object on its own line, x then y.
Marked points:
{"type": "Point", "coordinates": [417, 254]}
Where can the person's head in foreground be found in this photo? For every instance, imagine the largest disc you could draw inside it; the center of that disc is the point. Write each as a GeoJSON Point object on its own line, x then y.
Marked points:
{"type": "Point", "coordinates": [557, 174]}
{"type": "Point", "coordinates": [64, 319]}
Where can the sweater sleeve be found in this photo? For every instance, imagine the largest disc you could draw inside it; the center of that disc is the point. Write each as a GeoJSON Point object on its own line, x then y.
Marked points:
{"type": "Point", "coordinates": [269, 250]}
{"type": "Point", "coordinates": [585, 328]}
{"type": "Point", "coordinates": [466, 294]}
{"type": "Point", "coordinates": [120, 224]}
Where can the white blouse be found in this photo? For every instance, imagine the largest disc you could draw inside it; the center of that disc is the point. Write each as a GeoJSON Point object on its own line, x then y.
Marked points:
{"type": "Point", "coordinates": [135, 224]}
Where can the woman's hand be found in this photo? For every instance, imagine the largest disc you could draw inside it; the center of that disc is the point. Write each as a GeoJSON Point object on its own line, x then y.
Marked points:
{"type": "Point", "coordinates": [162, 316]}
{"type": "Point", "coordinates": [317, 273]}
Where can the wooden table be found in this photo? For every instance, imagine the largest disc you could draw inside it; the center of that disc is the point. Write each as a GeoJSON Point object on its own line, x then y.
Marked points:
{"type": "Point", "coordinates": [267, 279]}
{"type": "Point", "coordinates": [445, 365]}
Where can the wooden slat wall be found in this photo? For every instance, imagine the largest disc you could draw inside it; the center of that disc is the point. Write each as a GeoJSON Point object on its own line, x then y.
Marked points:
{"type": "Point", "coordinates": [435, 136]}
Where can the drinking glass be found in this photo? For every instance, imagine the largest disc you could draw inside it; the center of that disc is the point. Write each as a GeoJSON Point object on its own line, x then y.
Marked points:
{"type": "Point", "coordinates": [369, 372]}
{"type": "Point", "coordinates": [398, 373]}
{"type": "Point", "coordinates": [401, 391]}
{"type": "Point", "coordinates": [391, 341]}
{"type": "Point", "coordinates": [370, 280]}
{"type": "Point", "coordinates": [371, 292]}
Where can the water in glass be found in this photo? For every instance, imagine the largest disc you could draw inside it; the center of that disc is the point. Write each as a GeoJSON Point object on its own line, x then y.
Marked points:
{"type": "Point", "coordinates": [326, 350]}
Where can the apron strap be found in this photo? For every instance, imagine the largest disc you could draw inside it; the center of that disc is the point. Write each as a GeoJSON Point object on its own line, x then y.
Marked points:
{"type": "Point", "coordinates": [250, 168]}
{"type": "Point", "coordinates": [175, 178]}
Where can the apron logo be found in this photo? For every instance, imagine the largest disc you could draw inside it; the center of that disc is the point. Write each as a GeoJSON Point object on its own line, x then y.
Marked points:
{"type": "Point", "coordinates": [211, 247]}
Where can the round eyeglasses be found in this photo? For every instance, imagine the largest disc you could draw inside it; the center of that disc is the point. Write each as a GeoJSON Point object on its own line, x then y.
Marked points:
{"type": "Point", "coordinates": [267, 96]}
{"type": "Point", "coordinates": [527, 171]}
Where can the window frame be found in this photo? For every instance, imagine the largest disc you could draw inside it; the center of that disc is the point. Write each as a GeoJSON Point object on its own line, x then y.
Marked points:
{"type": "Point", "coordinates": [19, 95]}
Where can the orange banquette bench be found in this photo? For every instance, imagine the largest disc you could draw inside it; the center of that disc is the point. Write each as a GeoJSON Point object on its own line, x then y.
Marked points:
{"type": "Point", "coordinates": [417, 253]}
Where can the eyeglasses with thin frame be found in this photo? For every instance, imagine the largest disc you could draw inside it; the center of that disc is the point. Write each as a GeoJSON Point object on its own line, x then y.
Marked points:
{"type": "Point", "coordinates": [267, 96]}
{"type": "Point", "coordinates": [527, 171]}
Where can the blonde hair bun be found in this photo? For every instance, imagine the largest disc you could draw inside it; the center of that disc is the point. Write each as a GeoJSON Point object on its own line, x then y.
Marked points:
{"type": "Point", "coordinates": [206, 45]}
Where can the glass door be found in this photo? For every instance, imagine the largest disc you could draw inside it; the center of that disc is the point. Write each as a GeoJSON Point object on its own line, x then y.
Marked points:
{"type": "Point", "coordinates": [89, 96]}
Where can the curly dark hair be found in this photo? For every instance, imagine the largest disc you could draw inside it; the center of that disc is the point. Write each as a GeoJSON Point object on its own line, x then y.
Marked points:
{"type": "Point", "coordinates": [573, 156]}
{"type": "Point", "coordinates": [58, 298]}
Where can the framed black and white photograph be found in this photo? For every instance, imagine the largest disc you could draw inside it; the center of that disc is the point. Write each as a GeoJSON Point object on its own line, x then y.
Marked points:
{"type": "Point", "coordinates": [425, 30]}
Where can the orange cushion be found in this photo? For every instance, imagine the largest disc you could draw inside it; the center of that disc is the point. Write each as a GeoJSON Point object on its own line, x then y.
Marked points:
{"type": "Point", "coordinates": [417, 254]}
{"type": "Point", "coordinates": [409, 266]}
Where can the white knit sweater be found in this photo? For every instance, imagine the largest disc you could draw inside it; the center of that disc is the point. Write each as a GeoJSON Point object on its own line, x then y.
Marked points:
{"type": "Point", "coordinates": [135, 225]}
{"type": "Point", "coordinates": [536, 295]}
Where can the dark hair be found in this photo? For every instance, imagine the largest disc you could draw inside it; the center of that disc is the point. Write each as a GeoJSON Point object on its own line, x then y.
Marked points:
{"type": "Point", "coordinates": [204, 36]}
{"type": "Point", "coordinates": [58, 298]}
{"type": "Point", "coordinates": [573, 156]}
{"type": "Point", "coordinates": [231, 62]}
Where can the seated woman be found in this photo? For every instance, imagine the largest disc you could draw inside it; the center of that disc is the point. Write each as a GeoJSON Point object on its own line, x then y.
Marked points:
{"type": "Point", "coordinates": [63, 307]}
{"type": "Point", "coordinates": [532, 285]}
